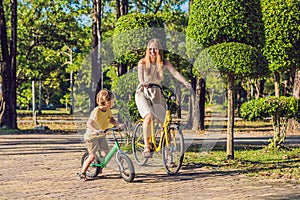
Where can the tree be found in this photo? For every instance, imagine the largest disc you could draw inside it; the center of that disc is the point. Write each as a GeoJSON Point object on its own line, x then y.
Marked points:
{"type": "Point", "coordinates": [47, 31]}
{"type": "Point", "coordinates": [282, 35]}
{"type": "Point", "coordinates": [296, 88]}
{"type": "Point", "coordinates": [122, 8]}
{"type": "Point", "coordinates": [176, 23]}
{"type": "Point", "coordinates": [131, 34]}
{"type": "Point", "coordinates": [8, 72]}
{"type": "Point", "coordinates": [220, 24]}
{"type": "Point", "coordinates": [156, 6]}
{"type": "Point", "coordinates": [279, 109]}
{"type": "Point", "coordinates": [234, 61]}
{"type": "Point", "coordinates": [96, 71]}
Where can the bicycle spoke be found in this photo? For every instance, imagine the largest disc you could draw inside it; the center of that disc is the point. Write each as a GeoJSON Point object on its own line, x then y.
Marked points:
{"type": "Point", "coordinates": [138, 144]}
{"type": "Point", "coordinates": [173, 153]}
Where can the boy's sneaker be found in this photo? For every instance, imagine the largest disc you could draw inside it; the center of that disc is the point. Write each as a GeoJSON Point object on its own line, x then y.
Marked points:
{"type": "Point", "coordinates": [82, 177]}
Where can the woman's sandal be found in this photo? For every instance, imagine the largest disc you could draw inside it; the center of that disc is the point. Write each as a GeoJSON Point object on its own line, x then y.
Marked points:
{"type": "Point", "coordinates": [147, 153]}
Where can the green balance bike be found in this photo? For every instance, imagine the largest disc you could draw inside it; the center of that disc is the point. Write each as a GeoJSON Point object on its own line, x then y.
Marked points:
{"type": "Point", "coordinates": [125, 164]}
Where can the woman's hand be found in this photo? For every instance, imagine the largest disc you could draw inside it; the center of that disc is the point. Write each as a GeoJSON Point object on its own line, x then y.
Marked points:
{"type": "Point", "coordinates": [145, 84]}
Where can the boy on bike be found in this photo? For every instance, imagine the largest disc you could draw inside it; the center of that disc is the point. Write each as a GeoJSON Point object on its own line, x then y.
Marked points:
{"type": "Point", "coordinates": [100, 119]}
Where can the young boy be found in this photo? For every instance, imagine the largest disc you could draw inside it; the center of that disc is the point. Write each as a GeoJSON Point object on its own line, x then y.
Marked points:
{"type": "Point", "coordinates": [100, 119]}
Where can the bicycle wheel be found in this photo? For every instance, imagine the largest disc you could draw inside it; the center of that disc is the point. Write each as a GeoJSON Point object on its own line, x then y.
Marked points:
{"type": "Point", "coordinates": [91, 171]}
{"type": "Point", "coordinates": [138, 144]}
{"type": "Point", "coordinates": [126, 167]}
{"type": "Point", "coordinates": [173, 154]}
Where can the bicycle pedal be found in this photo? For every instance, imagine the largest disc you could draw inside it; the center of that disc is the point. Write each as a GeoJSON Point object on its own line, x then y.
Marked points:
{"type": "Point", "coordinates": [151, 147]}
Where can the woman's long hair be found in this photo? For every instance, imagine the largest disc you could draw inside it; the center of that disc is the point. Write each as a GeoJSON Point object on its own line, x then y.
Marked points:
{"type": "Point", "coordinates": [159, 60]}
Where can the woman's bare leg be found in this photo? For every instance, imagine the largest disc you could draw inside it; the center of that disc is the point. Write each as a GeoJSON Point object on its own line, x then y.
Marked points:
{"type": "Point", "coordinates": [146, 130]}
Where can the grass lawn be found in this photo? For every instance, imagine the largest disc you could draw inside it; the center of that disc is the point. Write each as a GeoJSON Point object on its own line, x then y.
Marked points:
{"type": "Point", "coordinates": [282, 164]}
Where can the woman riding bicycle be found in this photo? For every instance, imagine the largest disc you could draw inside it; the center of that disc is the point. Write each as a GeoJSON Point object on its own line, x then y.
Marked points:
{"type": "Point", "coordinates": [149, 101]}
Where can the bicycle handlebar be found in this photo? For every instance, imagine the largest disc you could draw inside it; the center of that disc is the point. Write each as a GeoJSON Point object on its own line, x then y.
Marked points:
{"type": "Point", "coordinates": [162, 89]}
{"type": "Point", "coordinates": [115, 128]}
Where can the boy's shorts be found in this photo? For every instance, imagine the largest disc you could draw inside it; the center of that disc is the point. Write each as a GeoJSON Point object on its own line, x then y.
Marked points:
{"type": "Point", "coordinates": [96, 145]}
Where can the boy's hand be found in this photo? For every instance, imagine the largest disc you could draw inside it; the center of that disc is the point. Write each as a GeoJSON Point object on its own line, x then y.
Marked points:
{"type": "Point", "coordinates": [100, 132]}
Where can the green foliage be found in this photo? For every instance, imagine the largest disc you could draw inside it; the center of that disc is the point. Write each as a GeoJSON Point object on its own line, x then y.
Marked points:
{"type": "Point", "coordinates": [52, 42]}
{"type": "Point", "coordinates": [282, 31]}
{"type": "Point", "coordinates": [24, 95]}
{"type": "Point", "coordinates": [214, 22]}
{"type": "Point", "coordinates": [175, 20]}
{"type": "Point", "coordinates": [123, 89]}
{"type": "Point", "coordinates": [156, 6]}
{"type": "Point", "coordinates": [65, 100]}
{"type": "Point", "coordinates": [238, 59]}
{"type": "Point", "coordinates": [132, 108]}
{"type": "Point", "coordinates": [173, 106]}
{"type": "Point", "coordinates": [279, 109]}
{"type": "Point", "coordinates": [131, 34]}
{"type": "Point", "coordinates": [270, 107]}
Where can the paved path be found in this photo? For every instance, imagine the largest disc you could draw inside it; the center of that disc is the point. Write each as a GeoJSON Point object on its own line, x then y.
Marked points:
{"type": "Point", "coordinates": [44, 166]}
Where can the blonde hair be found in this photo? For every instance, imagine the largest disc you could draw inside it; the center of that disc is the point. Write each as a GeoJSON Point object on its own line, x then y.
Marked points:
{"type": "Point", "coordinates": [159, 60]}
{"type": "Point", "coordinates": [104, 96]}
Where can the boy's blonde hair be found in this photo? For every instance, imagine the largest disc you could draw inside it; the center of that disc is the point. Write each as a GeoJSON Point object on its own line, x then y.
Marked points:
{"type": "Point", "coordinates": [104, 96]}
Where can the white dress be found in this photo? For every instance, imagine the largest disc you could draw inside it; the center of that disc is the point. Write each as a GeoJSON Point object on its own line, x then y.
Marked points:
{"type": "Point", "coordinates": [150, 100]}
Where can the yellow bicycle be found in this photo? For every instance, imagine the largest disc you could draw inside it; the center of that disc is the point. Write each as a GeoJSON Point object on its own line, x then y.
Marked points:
{"type": "Point", "coordinates": [169, 140]}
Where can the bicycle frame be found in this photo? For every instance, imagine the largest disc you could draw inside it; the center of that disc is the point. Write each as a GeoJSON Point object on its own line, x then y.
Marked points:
{"type": "Point", "coordinates": [163, 134]}
{"type": "Point", "coordinates": [110, 154]}
{"type": "Point", "coordinates": [166, 123]}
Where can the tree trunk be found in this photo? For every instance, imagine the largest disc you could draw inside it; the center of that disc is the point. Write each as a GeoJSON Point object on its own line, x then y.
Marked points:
{"type": "Point", "coordinates": [190, 5]}
{"type": "Point", "coordinates": [239, 95]}
{"type": "Point", "coordinates": [277, 84]}
{"type": "Point", "coordinates": [296, 88]}
{"type": "Point", "coordinates": [192, 104]}
{"type": "Point", "coordinates": [121, 8]}
{"type": "Point", "coordinates": [196, 111]}
{"type": "Point", "coordinates": [158, 6]}
{"type": "Point", "coordinates": [2, 108]}
{"type": "Point", "coordinates": [293, 124]}
{"type": "Point", "coordinates": [230, 121]}
{"type": "Point", "coordinates": [261, 88]}
{"type": "Point", "coordinates": [99, 59]}
{"type": "Point", "coordinates": [13, 54]}
{"type": "Point", "coordinates": [122, 69]}
{"type": "Point", "coordinates": [202, 85]}
{"type": "Point", "coordinates": [95, 53]}
{"type": "Point", "coordinates": [9, 117]}
{"type": "Point", "coordinates": [118, 9]}
{"type": "Point", "coordinates": [124, 7]}
{"type": "Point", "coordinates": [279, 133]}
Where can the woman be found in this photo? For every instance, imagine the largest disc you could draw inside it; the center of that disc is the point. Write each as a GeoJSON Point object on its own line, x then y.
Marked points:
{"type": "Point", "coordinates": [150, 101]}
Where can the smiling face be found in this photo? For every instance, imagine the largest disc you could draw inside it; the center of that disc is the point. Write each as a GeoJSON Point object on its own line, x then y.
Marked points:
{"type": "Point", "coordinates": [153, 50]}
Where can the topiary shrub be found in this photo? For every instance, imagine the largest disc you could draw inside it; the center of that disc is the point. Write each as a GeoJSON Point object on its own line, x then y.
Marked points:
{"type": "Point", "coordinates": [132, 33]}
{"type": "Point", "coordinates": [279, 109]}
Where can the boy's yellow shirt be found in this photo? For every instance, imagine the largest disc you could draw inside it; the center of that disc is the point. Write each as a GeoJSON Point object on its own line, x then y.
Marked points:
{"type": "Point", "coordinates": [101, 120]}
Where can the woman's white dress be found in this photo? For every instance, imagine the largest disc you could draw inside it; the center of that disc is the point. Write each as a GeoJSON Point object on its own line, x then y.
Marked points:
{"type": "Point", "coordinates": [150, 100]}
